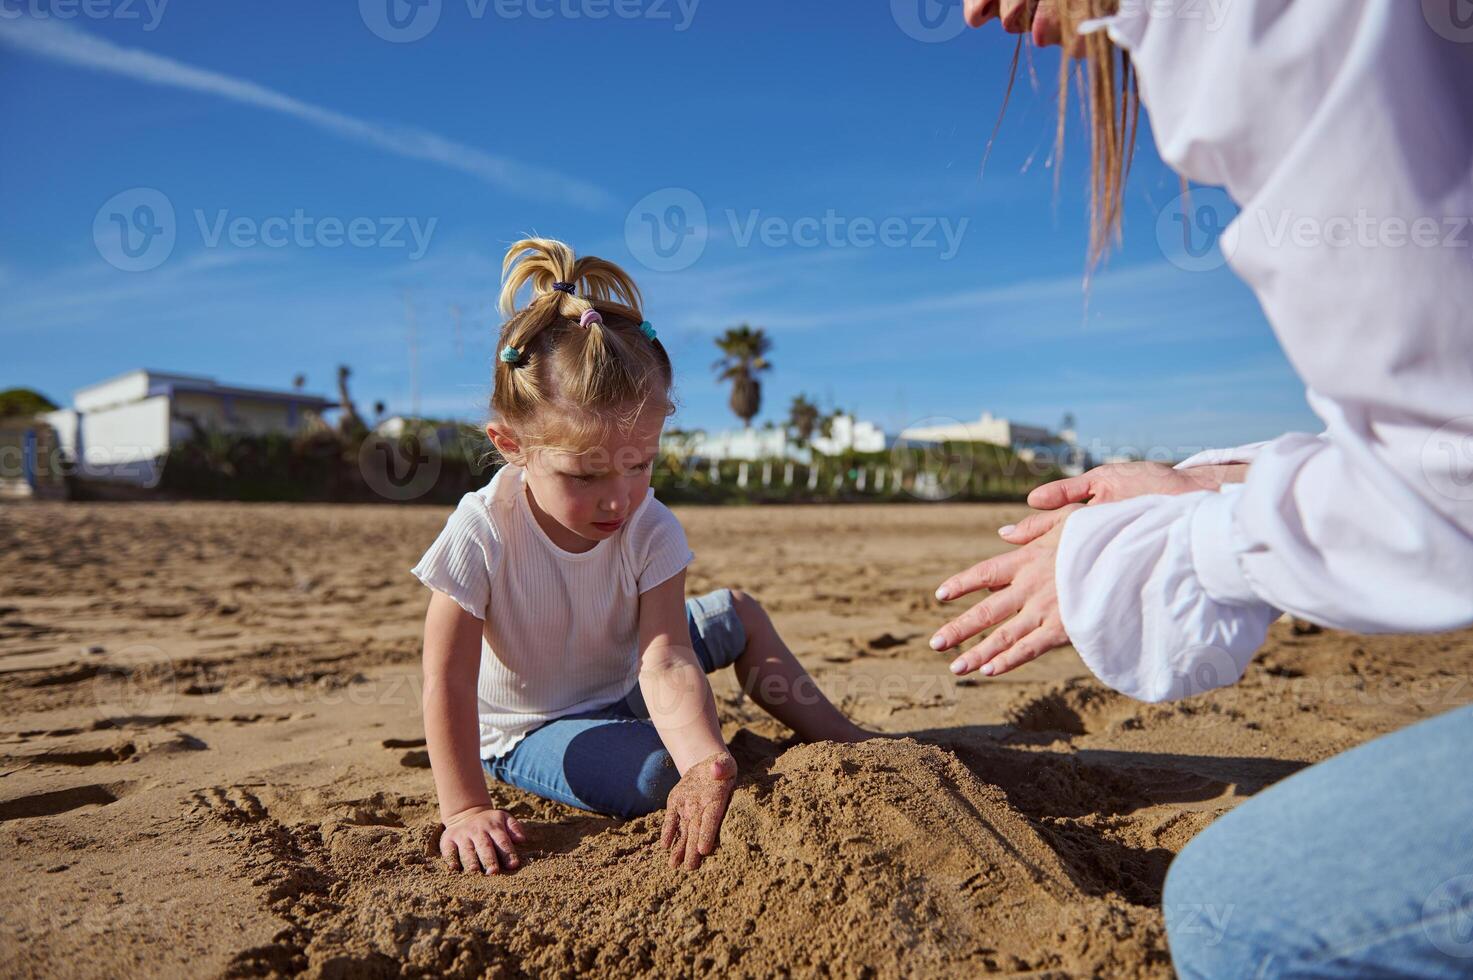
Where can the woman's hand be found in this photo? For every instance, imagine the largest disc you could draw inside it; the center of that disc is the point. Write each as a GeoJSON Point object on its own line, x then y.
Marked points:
{"type": "Point", "coordinates": [695, 808]}
{"type": "Point", "coordinates": [1022, 584]}
{"type": "Point", "coordinates": [1036, 17]}
{"type": "Point", "coordinates": [1117, 481]}
{"type": "Point", "coordinates": [482, 838]}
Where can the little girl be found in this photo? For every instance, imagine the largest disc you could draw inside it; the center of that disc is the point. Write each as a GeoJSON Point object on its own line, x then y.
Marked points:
{"type": "Point", "coordinates": [561, 654]}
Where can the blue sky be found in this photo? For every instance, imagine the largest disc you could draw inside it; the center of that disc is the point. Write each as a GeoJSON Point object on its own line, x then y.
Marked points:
{"type": "Point", "coordinates": [813, 172]}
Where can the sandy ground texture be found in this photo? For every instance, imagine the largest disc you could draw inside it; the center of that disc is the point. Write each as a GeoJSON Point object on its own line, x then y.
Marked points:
{"type": "Point", "coordinates": [212, 763]}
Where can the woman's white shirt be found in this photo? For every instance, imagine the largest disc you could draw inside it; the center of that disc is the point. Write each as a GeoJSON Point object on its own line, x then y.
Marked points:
{"type": "Point", "coordinates": [1344, 131]}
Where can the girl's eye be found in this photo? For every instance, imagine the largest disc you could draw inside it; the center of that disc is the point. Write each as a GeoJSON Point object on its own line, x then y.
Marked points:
{"type": "Point", "coordinates": [642, 467]}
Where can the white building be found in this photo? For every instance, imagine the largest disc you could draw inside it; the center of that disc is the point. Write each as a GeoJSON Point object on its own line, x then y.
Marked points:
{"type": "Point", "coordinates": [122, 428]}
{"type": "Point", "coordinates": [988, 429]}
{"type": "Point", "coordinates": [845, 433]}
{"type": "Point", "coordinates": [1029, 442]}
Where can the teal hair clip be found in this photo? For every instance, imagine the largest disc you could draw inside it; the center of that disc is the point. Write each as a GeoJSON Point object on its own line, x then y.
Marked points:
{"type": "Point", "coordinates": [648, 329]}
{"type": "Point", "coordinates": [510, 355]}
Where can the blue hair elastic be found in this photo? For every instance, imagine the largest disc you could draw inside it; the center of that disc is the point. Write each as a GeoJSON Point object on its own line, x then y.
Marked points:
{"type": "Point", "coordinates": [648, 329]}
{"type": "Point", "coordinates": [510, 354]}
{"type": "Point", "coordinates": [563, 287]}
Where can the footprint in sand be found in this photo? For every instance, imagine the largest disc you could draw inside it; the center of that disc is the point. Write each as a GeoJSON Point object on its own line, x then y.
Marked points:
{"type": "Point", "coordinates": [62, 800]}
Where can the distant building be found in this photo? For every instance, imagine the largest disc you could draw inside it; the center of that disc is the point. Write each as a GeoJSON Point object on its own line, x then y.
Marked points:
{"type": "Point", "coordinates": [30, 463]}
{"type": "Point", "coordinates": [845, 434]}
{"type": "Point", "coordinates": [1029, 442]}
{"type": "Point", "coordinates": [122, 428]}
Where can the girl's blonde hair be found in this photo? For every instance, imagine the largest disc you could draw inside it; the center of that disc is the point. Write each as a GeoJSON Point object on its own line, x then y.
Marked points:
{"type": "Point", "coordinates": [1108, 89]}
{"type": "Point", "coordinates": [567, 384]}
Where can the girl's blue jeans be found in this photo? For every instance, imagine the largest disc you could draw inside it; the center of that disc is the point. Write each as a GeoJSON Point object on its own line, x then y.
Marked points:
{"type": "Point", "coordinates": [611, 760]}
{"type": "Point", "coordinates": [1361, 866]}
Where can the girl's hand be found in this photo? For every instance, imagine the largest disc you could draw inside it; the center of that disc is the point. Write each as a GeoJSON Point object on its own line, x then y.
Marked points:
{"type": "Point", "coordinates": [695, 808]}
{"type": "Point", "coordinates": [1117, 481]}
{"type": "Point", "coordinates": [1022, 584]}
{"type": "Point", "coordinates": [482, 839]}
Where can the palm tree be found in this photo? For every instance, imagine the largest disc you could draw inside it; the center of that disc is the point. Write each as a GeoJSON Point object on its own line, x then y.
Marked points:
{"type": "Point", "coordinates": [744, 356]}
{"type": "Point", "coordinates": [803, 418]}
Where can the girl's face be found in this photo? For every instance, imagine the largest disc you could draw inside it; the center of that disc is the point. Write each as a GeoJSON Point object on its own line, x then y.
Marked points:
{"type": "Point", "coordinates": [580, 499]}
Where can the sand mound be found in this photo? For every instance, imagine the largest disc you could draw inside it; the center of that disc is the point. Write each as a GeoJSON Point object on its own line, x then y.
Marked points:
{"type": "Point", "coordinates": [832, 856]}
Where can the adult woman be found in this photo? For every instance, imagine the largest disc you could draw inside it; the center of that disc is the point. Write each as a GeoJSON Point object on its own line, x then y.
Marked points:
{"type": "Point", "coordinates": [1331, 117]}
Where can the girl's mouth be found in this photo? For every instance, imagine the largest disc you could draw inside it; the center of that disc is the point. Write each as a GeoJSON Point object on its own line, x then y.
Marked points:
{"type": "Point", "coordinates": [608, 525]}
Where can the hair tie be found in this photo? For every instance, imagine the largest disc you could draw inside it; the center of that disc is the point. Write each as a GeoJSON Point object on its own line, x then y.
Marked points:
{"type": "Point", "coordinates": [510, 355]}
{"type": "Point", "coordinates": [563, 287]}
{"type": "Point", "coordinates": [590, 316]}
{"type": "Point", "coordinates": [648, 329]}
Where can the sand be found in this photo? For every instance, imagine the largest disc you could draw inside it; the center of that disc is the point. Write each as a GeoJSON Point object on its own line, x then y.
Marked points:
{"type": "Point", "coordinates": [212, 763]}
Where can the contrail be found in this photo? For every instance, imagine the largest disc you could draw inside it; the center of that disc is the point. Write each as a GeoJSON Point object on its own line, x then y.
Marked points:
{"type": "Point", "coordinates": [62, 42]}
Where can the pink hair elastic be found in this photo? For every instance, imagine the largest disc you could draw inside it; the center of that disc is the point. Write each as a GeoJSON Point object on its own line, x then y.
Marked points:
{"type": "Point", "coordinates": [590, 316]}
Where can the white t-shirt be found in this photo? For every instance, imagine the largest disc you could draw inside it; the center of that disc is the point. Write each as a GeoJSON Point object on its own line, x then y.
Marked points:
{"type": "Point", "coordinates": [561, 629]}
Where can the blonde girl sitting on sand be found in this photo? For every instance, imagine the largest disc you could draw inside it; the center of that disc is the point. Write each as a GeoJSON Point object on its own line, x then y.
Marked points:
{"type": "Point", "coordinates": [561, 655]}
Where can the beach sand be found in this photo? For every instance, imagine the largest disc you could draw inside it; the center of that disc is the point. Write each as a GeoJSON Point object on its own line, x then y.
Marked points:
{"type": "Point", "coordinates": [212, 763]}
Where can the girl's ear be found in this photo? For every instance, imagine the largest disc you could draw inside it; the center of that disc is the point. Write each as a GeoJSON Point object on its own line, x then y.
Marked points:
{"type": "Point", "coordinates": [505, 443]}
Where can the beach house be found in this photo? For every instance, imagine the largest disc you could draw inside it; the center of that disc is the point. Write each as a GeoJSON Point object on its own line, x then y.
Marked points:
{"type": "Point", "coordinates": [121, 429]}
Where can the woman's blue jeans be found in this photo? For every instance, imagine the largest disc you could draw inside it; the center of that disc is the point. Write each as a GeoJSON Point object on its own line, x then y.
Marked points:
{"type": "Point", "coordinates": [1361, 866]}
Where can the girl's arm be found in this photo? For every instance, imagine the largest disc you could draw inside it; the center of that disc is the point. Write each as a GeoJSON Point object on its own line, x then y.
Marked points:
{"type": "Point", "coordinates": [671, 679]}
{"type": "Point", "coordinates": [476, 834]}
{"type": "Point", "coordinates": [683, 710]}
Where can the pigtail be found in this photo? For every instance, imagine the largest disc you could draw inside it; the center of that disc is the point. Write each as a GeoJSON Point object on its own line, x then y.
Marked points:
{"type": "Point", "coordinates": [578, 342]}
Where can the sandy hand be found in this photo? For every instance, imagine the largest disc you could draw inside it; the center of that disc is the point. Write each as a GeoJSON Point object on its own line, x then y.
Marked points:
{"type": "Point", "coordinates": [482, 839]}
{"type": "Point", "coordinates": [695, 808]}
